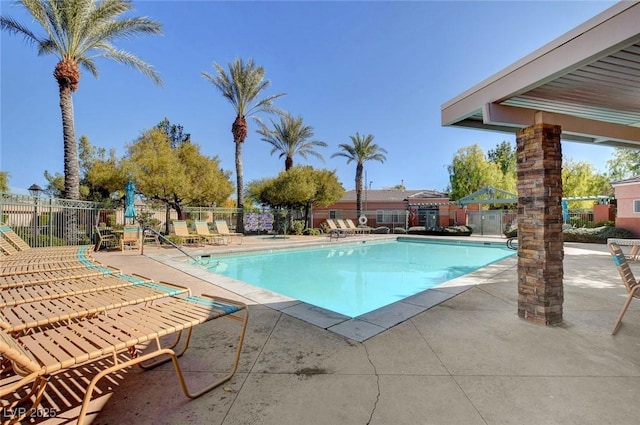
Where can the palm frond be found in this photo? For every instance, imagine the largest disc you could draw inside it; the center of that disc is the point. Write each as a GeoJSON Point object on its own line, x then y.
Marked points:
{"type": "Point", "coordinates": [82, 30]}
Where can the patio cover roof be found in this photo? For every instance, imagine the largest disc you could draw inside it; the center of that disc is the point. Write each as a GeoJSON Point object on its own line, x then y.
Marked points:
{"type": "Point", "coordinates": [587, 81]}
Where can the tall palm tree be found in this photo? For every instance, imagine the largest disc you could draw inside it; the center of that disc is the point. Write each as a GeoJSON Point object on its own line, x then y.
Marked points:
{"type": "Point", "coordinates": [291, 137]}
{"type": "Point", "coordinates": [78, 32]}
{"type": "Point", "coordinates": [361, 150]}
{"type": "Point", "coordinates": [242, 86]}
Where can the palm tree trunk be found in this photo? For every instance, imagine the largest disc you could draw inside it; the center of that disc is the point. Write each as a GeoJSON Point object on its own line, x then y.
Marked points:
{"type": "Point", "coordinates": [71, 165]}
{"type": "Point", "coordinates": [288, 163]}
{"type": "Point", "coordinates": [359, 168]}
{"type": "Point", "coordinates": [240, 191]}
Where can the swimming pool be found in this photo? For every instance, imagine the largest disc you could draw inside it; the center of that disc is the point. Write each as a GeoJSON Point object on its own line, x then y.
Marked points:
{"type": "Point", "coordinates": [354, 279]}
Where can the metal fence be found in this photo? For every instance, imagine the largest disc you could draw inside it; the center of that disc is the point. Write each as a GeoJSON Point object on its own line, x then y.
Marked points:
{"type": "Point", "coordinates": [44, 221]}
{"type": "Point", "coordinates": [50, 221]}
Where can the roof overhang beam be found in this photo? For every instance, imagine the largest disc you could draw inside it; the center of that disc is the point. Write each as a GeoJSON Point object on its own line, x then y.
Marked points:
{"type": "Point", "coordinates": [573, 128]}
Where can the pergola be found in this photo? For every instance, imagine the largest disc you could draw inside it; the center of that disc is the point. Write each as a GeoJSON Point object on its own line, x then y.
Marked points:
{"type": "Point", "coordinates": [584, 87]}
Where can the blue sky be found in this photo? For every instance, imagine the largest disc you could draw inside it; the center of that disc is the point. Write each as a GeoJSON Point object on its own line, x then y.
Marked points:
{"type": "Point", "coordinates": [381, 68]}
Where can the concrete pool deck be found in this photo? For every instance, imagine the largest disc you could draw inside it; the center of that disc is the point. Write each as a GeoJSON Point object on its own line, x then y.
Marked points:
{"type": "Point", "coordinates": [467, 360]}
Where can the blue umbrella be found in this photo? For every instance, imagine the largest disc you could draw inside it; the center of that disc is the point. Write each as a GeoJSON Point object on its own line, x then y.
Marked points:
{"type": "Point", "coordinates": [565, 211]}
{"type": "Point", "coordinates": [129, 208]}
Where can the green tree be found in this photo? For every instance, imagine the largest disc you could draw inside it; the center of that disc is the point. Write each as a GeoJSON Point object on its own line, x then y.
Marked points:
{"type": "Point", "coordinates": [77, 32]}
{"type": "Point", "coordinates": [102, 176]}
{"type": "Point", "coordinates": [505, 156]}
{"type": "Point", "coordinates": [361, 150]}
{"type": "Point", "coordinates": [298, 187]}
{"type": "Point", "coordinates": [625, 163]}
{"type": "Point", "coordinates": [55, 184]}
{"type": "Point", "coordinates": [243, 87]}
{"type": "Point", "coordinates": [176, 177]}
{"type": "Point", "coordinates": [291, 137]}
{"type": "Point", "coordinates": [174, 131]}
{"type": "Point", "coordinates": [4, 181]}
{"type": "Point", "coordinates": [470, 171]}
{"type": "Point", "coordinates": [581, 179]}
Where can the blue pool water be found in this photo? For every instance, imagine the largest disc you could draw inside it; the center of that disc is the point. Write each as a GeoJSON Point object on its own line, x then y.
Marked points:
{"type": "Point", "coordinates": [359, 278]}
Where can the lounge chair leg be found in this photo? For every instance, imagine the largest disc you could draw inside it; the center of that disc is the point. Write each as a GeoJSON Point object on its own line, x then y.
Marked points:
{"type": "Point", "coordinates": [244, 319]}
{"type": "Point", "coordinates": [616, 326]}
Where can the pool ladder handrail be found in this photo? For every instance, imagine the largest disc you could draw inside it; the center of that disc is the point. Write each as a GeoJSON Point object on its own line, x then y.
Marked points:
{"type": "Point", "coordinates": [511, 244]}
{"type": "Point", "coordinates": [161, 236]}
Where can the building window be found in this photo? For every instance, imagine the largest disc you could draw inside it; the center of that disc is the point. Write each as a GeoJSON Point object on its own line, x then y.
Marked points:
{"type": "Point", "coordinates": [636, 206]}
{"type": "Point", "coordinates": [390, 216]}
{"type": "Point", "coordinates": [333, 214]}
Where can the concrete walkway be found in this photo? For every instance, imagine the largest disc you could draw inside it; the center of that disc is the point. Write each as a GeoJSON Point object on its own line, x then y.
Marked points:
{"type": "Point", "coordinates": [469, 360]}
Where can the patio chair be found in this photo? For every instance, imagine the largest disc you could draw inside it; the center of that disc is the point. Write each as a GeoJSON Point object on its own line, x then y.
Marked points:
{"type": "Point", "coordinates": [130, 237]}
{"type": "Point", "coordinates": [19, 319]}
{"type": "Point", "coordinates": [36, 278]}
{"type": "Point", "coordinates": [202, 229]}
{"type": "Point", "coordinates": [65, 288]}
{"type": "Point", "coordinates": [334, 230]}
{"type": "Point", "coordinates": [223, 230]}
{"type": "Point", "coordinates": [630, 282]}
{"type": "Point", "coordinates": [105, 239]}
{"type": "Point", "coordinates": [181, 230]}
{"type": "Point", "coordinates": [39, 355]}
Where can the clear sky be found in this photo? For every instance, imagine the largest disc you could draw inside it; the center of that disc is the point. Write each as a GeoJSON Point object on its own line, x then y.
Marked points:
{"type": "Point", "coordinates": [381, 68]}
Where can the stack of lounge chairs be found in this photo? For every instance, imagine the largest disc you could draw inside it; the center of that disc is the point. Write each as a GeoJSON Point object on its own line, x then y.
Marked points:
{"type": "Point", "coordinates": [59, 309]}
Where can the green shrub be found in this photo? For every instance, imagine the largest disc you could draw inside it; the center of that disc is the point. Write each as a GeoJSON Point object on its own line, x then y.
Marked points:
{"type": "Point", "coordinates": [399, 231]}
{"type": "Point", "coordinates": [298, 227]}
{"type": "Point", "coordinates": [596, 234]}
{"type": "Point", "coordinates": [312, 231]}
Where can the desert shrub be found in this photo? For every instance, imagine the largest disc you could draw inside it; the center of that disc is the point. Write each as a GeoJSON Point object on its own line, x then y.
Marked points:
{"type": "Point", "coordinates": [399, 231]}
{"type": "Point", "coordinates": [298, 227]}
{"type": "Point", "coordinates": [596, 234]}
{"type": "Point", "coordinates": [312, 231]}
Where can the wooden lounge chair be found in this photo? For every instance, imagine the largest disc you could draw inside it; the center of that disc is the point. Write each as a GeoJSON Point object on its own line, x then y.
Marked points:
{"type": "Point", "coordinates": [21, 245]}
{"type": "Point", "coordinates": [630, 282]}
{"type": "Point", "coordinates": [19, 319]}
{"type": "Point", "coordinates": [363, 230]}
{"type": "Point", "coordinates": [181, 230]}
{"type": "Point", "coordinates": [24, 258]}
{"type": "Point", "coordinates": [334, 230]}
{"type": "Point", "coordinates": [343, 226]}
{"type": "Point", "coordinates": [223, 230]}
{"type": "Point", "coordinates": [37, 356]}
{"type": "Point", "coordinates": [65, 288]}
{"type": "Point", "coordinates": [130, 237]}
{"type": "Point", "coordinates": [36, 278]}
{"type": "Point", "coordinates": [12, 253]}
{"type": "Point", "coordinates": [202, 229]}
{"type": "Point", "coordinates": [34, 267]}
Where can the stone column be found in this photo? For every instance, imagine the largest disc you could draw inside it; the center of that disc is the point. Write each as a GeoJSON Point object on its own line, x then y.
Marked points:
{"type": "Point", "coordinates": [540, 242]}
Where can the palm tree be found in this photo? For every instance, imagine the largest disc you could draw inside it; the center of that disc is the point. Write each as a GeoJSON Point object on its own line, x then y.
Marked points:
{"type": "Point", "coordinates": [361, 150]}
{"type": "Point", "coordinates": [291, 137]}
{"type": "Point", "coordinates": [78, 32]}
{"type": "Point", "coordinates": [242, 86]}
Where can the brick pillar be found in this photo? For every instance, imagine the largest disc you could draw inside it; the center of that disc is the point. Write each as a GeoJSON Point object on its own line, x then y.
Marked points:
{"type": "Point", "coordinates": [540, 252]}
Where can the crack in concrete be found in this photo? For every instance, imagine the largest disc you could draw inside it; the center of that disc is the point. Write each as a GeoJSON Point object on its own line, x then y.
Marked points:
{"type": "Point", "coordinates": [375, 371]}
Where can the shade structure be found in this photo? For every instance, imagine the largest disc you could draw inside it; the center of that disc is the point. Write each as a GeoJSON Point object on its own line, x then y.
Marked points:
{"type": "Point", "coordinates": [129, 208]}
